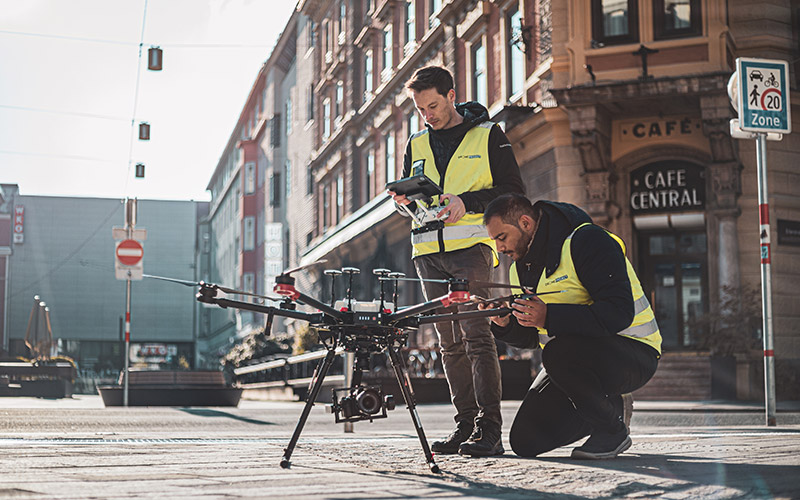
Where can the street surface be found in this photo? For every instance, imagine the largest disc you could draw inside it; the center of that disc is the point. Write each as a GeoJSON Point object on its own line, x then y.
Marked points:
{"type": "Point", "coordinates": [77, 449]}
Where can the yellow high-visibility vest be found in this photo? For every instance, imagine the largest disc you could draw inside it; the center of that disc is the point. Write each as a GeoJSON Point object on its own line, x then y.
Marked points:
{"type": "Point", "coordinates": [643, 327]}
{"type": "Point", "coordinates": [468, 170]}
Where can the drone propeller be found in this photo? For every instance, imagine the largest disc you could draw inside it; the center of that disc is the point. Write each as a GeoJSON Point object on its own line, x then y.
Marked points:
{"type": "Point", "coordinates": [221, 288]}
{"type": "Point", "coordinates": [300, 268]}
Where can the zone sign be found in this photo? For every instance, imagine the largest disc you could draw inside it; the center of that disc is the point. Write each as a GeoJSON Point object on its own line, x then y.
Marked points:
{"type": "Point", "coordinates": [764, 95]}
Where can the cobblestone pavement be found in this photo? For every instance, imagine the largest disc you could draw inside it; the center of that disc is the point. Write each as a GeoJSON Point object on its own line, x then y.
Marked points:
{"type": "Point", "coordinates": [76, 449]}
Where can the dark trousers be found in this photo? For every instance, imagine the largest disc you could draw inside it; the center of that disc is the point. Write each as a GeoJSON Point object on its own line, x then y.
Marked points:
{"type": "Point", "coordinates": [580, 391]}
{"type": "Point", "coordinates": [469, 354]}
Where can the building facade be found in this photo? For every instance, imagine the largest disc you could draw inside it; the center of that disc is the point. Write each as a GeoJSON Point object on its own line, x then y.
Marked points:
{"type": "Point", "coordinates": [64, 253]}
{"type": "Point", "coordinates": [617, 106]}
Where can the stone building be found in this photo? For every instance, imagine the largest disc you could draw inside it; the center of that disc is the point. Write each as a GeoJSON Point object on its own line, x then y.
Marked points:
{"type": "Point", "coordinates": [617, 106]}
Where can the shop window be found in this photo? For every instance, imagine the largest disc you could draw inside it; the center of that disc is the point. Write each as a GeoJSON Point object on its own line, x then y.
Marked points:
{"type": "Point", "coordinates": [676, 18]}
{"type": "Point", "coordinates": [614, 22]}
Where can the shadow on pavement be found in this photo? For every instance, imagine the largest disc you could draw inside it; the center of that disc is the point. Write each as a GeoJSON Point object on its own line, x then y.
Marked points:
{"type": "Point", "coordinates": [204, 412]}
{"type": "Point", "coordinates": [758, 480]}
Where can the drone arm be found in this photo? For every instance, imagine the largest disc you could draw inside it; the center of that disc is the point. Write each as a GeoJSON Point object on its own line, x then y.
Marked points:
{"type": "Point", "coordinates": [485, 313]}
{"type": "Point", "coordinates": [288, 313]}
{"type": "Point", "coordinates": [455, 297]}
{"type": "Point", "coordinates": [325, 308]}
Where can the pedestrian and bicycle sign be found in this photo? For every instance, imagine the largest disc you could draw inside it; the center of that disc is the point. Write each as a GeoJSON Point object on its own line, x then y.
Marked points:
{"type": "Point", "coordinates": [763, 95]}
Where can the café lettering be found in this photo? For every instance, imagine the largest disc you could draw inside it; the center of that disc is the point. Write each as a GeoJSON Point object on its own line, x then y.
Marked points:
{"type": "Point", "coordinates": [662, 187]}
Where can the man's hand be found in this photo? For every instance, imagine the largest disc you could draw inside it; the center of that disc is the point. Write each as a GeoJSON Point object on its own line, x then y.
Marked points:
{"type": "Point", "coordinates": [501, 321]}
{"type": "Point", "coordinates": [454, 210]}
{"type": "Point", "coordinates": [400, 199]}
{"type": "Point", "coordinates": [530, 312]}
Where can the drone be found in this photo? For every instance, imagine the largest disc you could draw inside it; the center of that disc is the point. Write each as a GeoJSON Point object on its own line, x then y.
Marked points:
{"type": "Point", "coordinates": [362, 328]}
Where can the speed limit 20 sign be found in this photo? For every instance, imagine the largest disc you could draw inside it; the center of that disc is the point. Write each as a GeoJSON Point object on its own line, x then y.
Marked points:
{"type": "Point", "coordinates": [763, 95]}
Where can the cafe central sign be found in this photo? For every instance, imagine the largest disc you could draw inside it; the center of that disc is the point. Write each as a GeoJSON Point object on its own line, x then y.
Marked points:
{"type": "Point", "coordinates": [667, 186]}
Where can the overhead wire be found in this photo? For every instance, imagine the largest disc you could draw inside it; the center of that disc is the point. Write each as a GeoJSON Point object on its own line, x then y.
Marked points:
{"type": "Point", "coordinates": [135, 98]}
{"type": "Point", "coordinates": [124, 43]}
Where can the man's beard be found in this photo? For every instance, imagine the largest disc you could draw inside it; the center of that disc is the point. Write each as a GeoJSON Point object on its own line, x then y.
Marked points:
{"type": "Point", "coordinates": [524, 244]}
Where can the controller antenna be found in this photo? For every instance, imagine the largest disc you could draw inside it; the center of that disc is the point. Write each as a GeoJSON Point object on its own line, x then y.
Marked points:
{"type": "Point", "coordinates": [350, 271]}
{"type": "Point", "coordinates": [333, 273]}
{"type": "Point", "coordinates": [395, 276]}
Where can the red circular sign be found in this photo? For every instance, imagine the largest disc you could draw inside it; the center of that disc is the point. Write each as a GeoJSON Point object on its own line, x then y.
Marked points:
{"type": "Point", "coordinates": [129, 252]}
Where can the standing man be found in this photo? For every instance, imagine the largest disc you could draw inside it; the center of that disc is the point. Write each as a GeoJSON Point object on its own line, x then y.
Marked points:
{"type": "Point", "coordinates": [599, 335]}
{"type": "Point", "coordinates": [470, 158]}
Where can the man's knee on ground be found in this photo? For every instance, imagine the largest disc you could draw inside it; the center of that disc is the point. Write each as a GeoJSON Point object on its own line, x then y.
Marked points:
{"type": "Point", "coordinates": [523, 443]}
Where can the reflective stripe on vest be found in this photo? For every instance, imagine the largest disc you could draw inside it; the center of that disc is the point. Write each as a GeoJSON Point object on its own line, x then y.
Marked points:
{"type": "Point", "coordinates": [467, 171]}
{"type": "Point", "coordinates": [643, 328]}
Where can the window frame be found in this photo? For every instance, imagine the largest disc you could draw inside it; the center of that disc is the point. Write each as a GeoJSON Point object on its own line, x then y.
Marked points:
{"type": "Point", "coordinates": [695, 22]}
{"type": "Point", "coordinates": [390, 156]}
{"type": "Point", "coordinates": [474, 76]}
{"type": "Point", "coordinates": [598, 35]}
{"type": "Point", "coordinates": [369, 74]}
{"type": "Point", "coordinates": [511, 46]}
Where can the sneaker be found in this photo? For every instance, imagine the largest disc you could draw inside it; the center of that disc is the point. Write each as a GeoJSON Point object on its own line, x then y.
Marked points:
{"type": "Point", "coordinates": [450, 444]}
{"type": "Point", "coordinates": [627, 408]}
{"type": "Point", "coordinates": [602, 445]}
{"type": "Point", "coordinates": [485, 441]}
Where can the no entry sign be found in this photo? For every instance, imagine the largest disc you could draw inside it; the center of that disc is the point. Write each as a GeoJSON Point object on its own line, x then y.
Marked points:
{"type": "Point", "coordinates": [129, 252]}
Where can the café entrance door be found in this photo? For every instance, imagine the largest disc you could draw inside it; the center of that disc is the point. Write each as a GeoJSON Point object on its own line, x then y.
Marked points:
{"type": "Point", "coordinates": [674, 276]}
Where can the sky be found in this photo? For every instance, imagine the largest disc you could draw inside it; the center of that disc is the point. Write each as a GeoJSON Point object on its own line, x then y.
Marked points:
{"type": "Point", "coordinates": [69, 93]}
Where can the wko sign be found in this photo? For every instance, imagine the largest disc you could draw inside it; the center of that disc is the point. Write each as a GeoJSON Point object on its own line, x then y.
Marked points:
{"type": "Point", "coordinates": [667, 186]}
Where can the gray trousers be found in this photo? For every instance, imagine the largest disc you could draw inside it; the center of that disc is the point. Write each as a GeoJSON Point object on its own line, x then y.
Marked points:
{"type": "Point", "coordinates": [469, 354]}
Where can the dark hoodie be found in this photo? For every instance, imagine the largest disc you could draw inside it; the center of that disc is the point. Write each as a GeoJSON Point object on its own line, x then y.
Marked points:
{"type": "Point", "coordinates": [601, 268]}
{"type": "Point", "coordinates": [505, 171]}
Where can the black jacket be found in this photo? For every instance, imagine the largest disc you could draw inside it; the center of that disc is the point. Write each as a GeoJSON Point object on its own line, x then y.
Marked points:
{"type": "Point", "coordinates": [601, 268]}
{"type": "Point", "coordinates": [505, 171]}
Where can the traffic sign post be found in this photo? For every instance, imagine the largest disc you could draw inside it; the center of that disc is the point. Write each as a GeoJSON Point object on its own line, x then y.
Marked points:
{"type": "Point", "coordinates": [759, 90]}
{"type": "Point", "coordinates": [128, 254]}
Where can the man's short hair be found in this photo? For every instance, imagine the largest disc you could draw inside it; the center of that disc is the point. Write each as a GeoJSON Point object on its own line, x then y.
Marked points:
{"type": "Point", "coordinates": [431, 77]}
{"type": "Point", "coordinates": [510, 207]}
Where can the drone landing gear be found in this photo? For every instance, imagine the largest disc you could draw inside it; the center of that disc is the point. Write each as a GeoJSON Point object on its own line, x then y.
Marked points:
{"type": "Point", "coordinates": [362, 403]}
